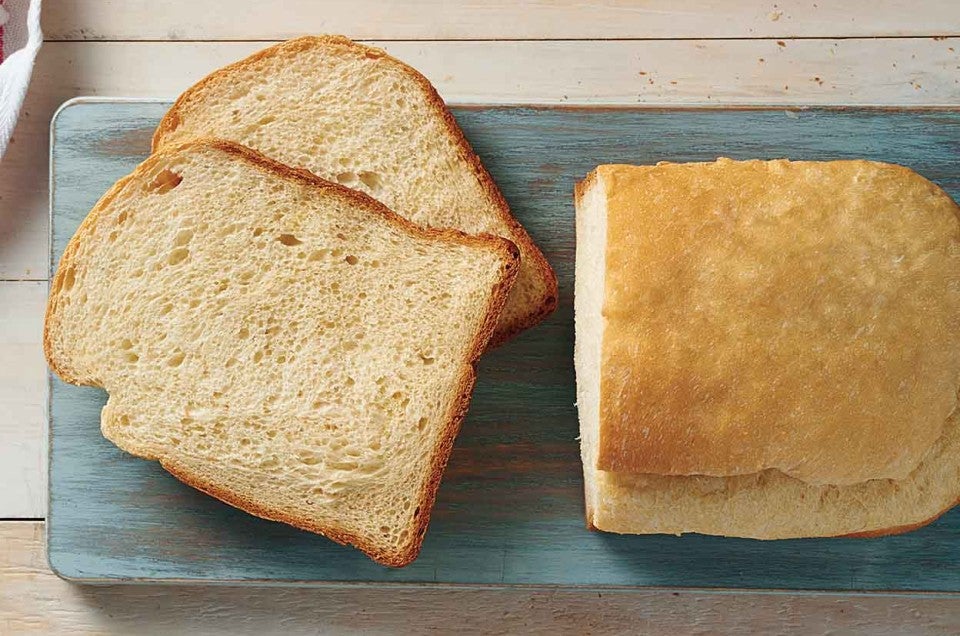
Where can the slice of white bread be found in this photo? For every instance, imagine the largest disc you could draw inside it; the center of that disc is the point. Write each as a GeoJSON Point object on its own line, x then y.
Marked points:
{"type": "Point", "coordinates": [285, 344]}
{"type": "Point", "coordinates": [352, 114]}
{"type": "Point", "coordinates": [767, 349]}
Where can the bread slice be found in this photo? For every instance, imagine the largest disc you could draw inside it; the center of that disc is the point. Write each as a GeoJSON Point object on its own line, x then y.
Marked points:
{"type": "Point", "coordinates": [767, 349]}
{"type": "Point", "coordinates": [352, 114]}
{"type": "Point", "coordinates": [282, 343]}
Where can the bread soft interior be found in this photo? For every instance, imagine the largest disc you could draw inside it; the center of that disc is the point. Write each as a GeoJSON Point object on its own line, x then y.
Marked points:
{"type": "Point", "coordinates": [292, 348]}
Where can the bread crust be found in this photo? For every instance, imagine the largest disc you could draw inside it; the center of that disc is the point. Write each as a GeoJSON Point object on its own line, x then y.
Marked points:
{"type": "Point", "coordinates": [466, 380]}
{"type": "Point", "coordinates": [754, 234]}
{"type": "Point", "coordinates": [580, 188]}
{"type": "Point", "coordinates": [519, 236]}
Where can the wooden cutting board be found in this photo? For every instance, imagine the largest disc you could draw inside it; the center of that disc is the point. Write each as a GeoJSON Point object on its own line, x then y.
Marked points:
{"type": "Point", "coordinates": [510, 509]}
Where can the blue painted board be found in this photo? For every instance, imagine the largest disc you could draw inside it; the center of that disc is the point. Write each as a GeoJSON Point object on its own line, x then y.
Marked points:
{"type": "Point", "coordinates": [510, 509]}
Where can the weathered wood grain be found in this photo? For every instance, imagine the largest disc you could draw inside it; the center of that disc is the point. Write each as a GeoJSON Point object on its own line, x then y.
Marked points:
{"type": "Point", "coordinates": [34, 601]}
{"type": "Point", "coordinates": [868, 71]}
{"type": "Point", "coordinates": [499, 19]}
{"type": "Point", "coordinates": [510, 507]}
{"type": "Point", "coordinates": [23, 405]}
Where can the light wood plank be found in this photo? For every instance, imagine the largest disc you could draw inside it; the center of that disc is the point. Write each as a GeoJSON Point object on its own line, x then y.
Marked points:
{"type": "Point", "coordinates": [34, 601]}
{"type": "Point", "coordinates": [23, 408]}
{"type": "Point", "coordinates": [853, 71]}
{"type": "Point", "coordinates": [499, 19]}
{"type": "Point", "coordinates": [857, 71]}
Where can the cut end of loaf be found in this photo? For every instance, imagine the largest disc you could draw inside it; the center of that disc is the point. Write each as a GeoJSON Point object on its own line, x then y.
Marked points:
{"type": "Point", "coordinates": [261, 334]}
{"type": "Point", "coordinates": [591, 228]}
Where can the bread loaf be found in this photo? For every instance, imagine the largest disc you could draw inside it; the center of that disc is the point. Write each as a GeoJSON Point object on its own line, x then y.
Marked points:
{"type": "Point", "coordinates": [767, 349]}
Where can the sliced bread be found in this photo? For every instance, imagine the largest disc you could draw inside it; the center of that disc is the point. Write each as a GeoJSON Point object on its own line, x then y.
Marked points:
{"type": "Point", "coordinates": [282, 343]}
{"type": "Point", "coordinates": [352, 114]}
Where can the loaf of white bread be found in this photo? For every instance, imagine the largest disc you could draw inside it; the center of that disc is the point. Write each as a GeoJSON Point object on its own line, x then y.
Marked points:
{"type": "Point", "coordinates": [352, 114]}
{"type": "Point", "coordinates": [767, 349]}
{"type": "Point", "coordinates": [283, 343]}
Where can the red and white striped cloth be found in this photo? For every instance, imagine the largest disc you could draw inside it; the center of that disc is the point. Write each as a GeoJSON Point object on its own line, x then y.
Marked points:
{"type": "Point", "coordinates": [20, 39]}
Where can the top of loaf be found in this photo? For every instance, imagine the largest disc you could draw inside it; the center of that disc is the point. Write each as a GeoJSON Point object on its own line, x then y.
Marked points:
{"type": "Point", "coordinates": [803, 316]}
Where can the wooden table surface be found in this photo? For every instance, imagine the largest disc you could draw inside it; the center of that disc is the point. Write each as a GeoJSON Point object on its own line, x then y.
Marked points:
{"type": "Point", "coordinates": [713, 52]}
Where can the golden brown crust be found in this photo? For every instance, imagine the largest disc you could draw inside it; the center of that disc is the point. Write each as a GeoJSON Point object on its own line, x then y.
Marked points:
{"type": "Point", "coordinates": [467, 377]}
{"type": "Point", "coordinates": [771, 335]}
{"type": "Point", "coordinates": [531, 253]}
{"type": "Point", "coordinates": [581, 188]}
{"type": "Point", "coordinates": [251, 507]}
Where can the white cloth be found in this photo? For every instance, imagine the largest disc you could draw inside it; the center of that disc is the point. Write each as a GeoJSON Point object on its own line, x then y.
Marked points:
{"type": "Point", "coordinates": [20, 39]}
